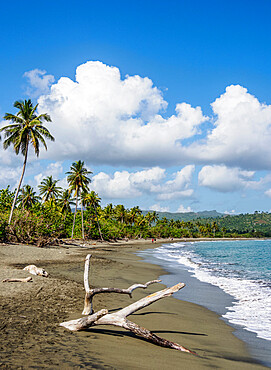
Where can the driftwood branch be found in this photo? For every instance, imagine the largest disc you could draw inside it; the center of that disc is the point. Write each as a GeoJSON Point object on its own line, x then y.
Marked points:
{"type": "Point", "coordinates": [90, 293]}
{"type": "Point", "coordinates": [17, 280]}
{"type": "Point", "coordinates": [119, 319]}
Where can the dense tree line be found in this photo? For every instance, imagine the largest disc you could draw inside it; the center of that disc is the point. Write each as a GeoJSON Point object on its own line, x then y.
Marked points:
{"type": "Point", "coordinates": [51, 214]}
{"type": "Point", "coordinates": [257, 224]}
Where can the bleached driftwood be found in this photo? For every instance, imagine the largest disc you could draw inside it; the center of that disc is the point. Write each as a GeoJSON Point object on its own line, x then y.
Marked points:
{"type": "Point", "coordinates": [34, 270]}
{"type": "Point", "coordinates": [90, 293]}
{"type": "Point", "coordinates": [17, 280]}
{"type": "Point", "coordinates": [119, 319]}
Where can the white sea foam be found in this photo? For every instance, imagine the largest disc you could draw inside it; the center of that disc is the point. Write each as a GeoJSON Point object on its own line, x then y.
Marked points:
{"type": "Point", "coordinates": [252, 301]}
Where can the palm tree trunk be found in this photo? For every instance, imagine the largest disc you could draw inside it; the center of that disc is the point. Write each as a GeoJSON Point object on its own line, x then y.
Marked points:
{"type": "Point", "coordinates": [98, 223]}
{"type": "Point", "coordinates": [82, 217]}
{"type": "Point", "coordinates": [19, 185]}
{"type": "Point", "coordinates": [74, 215]}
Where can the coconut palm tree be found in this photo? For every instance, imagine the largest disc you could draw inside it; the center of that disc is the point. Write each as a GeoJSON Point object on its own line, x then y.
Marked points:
{"type": "Point", "coordinates": [48, 189]}
{"type": "Point", "coordinates": [133, 213]}
{"type": "Point", "coordinates": [78, 182]}
{"type": "Point", "coordinates": [28, 198]}
{"type": "Point", "coordinates": [108, 211]}
{"type": "Point", "coordinates": [26, 129]}
{"type": "Point", "coordinates": [92, 200]}
{"type": "Point", "coordinates": [65, 201]}
{"type": "Point", "coordinates": [120, 213]}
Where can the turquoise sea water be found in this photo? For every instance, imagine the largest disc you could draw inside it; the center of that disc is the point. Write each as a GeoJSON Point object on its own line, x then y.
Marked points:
{"type": "Point", "coordinates": [240, 268]}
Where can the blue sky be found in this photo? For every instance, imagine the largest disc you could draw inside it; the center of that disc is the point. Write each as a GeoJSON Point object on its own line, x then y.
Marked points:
{"type": "Point", "coordinates": [210, 60]}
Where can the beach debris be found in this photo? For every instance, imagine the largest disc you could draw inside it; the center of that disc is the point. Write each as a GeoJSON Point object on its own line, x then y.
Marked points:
{"type": "Point", "coordinates": [34, 270]}
{"type": "Point", "coordinates": [17, 280]}
{"type": "Point", "coordinates": [90, 293]}
{"type": "Point", "coordinates": [119, 318]}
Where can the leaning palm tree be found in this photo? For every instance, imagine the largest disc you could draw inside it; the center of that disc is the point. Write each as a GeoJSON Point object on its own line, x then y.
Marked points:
{"type": "Point", "coordinates": [27, 198]}
{"type": "Point", "coordinates": [78, 182]}
{"type": "Point", "coordinates": [48, 189]}
{"type": "Point", "coordinates": [26, 129]}
{"type": "Point", "coordinates": [92, 200]}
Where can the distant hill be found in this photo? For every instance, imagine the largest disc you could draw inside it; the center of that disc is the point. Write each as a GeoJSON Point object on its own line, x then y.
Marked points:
{"type": "Point", "coordinates": [187, 216]}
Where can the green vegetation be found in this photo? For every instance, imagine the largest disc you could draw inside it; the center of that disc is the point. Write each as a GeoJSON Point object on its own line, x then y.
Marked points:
{"type": "Point", "coordinates": [43, 218]}
{"type": "Point", "coordinates": [256, 225]}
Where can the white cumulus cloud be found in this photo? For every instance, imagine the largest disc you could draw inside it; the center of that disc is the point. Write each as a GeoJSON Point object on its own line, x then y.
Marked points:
{"type": "Point", "coordinates": [224, 179]}
{"type": "Point", "coordinates": [125, 184]}
{"type": "Point", "coordinates": [106, 119]}
{"type": "Point", "coordinates": [241, 135]}
{"type": "Point", "coordinates": [179, 187]}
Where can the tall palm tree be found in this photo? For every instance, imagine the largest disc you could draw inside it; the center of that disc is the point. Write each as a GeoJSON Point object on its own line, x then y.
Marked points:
{"type": "Point", "coordinates": [48, 189]}
{"type": "Point", "coordinates": [28, 197]}
{"type": "Point", "coordinates": [92, 200]}
{"type": "Point", "coordinates": [78, 182]}
{"type": "Point", "coordinates": [26, 129]}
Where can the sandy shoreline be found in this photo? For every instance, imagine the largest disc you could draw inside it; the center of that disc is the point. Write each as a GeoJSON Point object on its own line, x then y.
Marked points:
{"type": "Point", "coordinates": [31, 312]}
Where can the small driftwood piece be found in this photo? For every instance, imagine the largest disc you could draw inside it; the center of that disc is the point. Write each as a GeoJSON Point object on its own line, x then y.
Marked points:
{"type": "Point", "coordinates": [15, 280]}
{"type": "Point", "coordinates": [90, 293]}
{"type": "Point", "coordinates": [119, 319]}
{"type": "Point", "coordinates": [34, 270]}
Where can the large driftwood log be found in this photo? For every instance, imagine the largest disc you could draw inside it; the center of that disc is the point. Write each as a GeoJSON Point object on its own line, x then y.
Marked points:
{"type": "Point", "coordinates": [90, 293]}
{"type": "Point", "coordinates": [17, 280]}
{"type": "Point", "coordinates": [119, 319]}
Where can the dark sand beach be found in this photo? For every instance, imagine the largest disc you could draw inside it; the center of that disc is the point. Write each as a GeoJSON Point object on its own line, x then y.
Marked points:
{"type": "Point", "coordinates": [30, 314]}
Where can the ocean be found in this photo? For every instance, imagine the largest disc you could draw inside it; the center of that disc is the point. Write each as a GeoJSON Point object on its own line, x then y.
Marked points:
{"type": "Point", "coordinates": [232, 278]}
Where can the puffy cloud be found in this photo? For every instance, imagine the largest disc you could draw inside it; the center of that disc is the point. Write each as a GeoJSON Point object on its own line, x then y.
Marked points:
{"type": "Point", "coordinates": [124, 184]}
{"type": "Point", "coordinates": [225, 179]}
{"type": "Point", "coordinates": [241, 134]}
{"type": "Point", "coordinates": [158, 208]}
{"type": "Point", "coordinates": [106, 119]}
{"type": "Point", "coordinates": [182, 209]}
{"type": "Point", "coordinates": [39, 82]}
{"type": "Point", "coordinates": [178, 187]}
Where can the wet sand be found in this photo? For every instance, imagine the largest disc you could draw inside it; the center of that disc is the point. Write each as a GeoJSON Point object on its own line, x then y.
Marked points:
{"type": "Point", "coordinates": [30, 313]}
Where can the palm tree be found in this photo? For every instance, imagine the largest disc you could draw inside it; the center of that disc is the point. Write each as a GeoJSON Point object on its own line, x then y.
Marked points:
{"type": "Point", "coordinates": [108, 211]}
{"type": "Point", "coordinates": [78, 182]}
{"type": "Point", "coordinates": [26, 128]}
{"type": "Point", "coordinates": [28, 197]}
{"type": "Point", "coordinates": [133, 214]}
{"type": "Point", "coordinates": [92, 200]}
{"type": "Point", "coordinates": [48, 189]}
{"type": "Point", "coordinates": [65, 201]}
{"type": "Point", "coordinates": [120, 213]}
{"type": "Point", "coordinates": [214, 227]}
